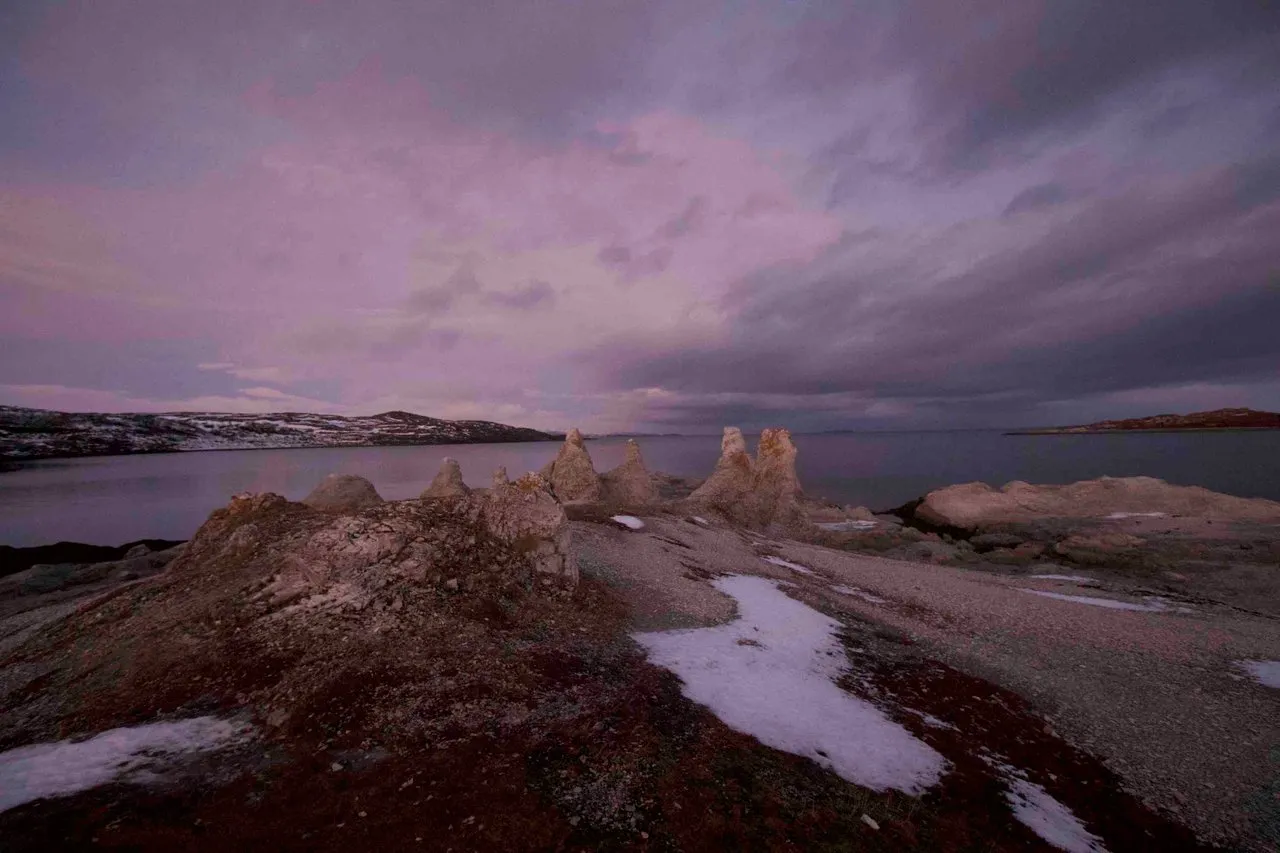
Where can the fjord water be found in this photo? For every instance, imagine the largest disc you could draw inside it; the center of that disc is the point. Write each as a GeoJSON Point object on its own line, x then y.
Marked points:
{"type": "Point", "coordinates": [116, 499]}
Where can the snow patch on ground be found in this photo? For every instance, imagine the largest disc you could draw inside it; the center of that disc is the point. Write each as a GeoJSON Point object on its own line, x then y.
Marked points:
{"type": "Point", "coordinates": [127, 754]}
{"type": "Point", "coordinates": [771, 674]}
{"type": "Point", "coordinates": [1116, 516]}
{"type": "Point", "coordinates": [795, 567]}
{"type": "Point", "coordinates": [628, 521]}
{"type": "Point", "coordinates": [1051, 820]}
{"type": "Point", "coordinates": [856, 524]}
{"type": "Point", "coordinates": [1072, 578]}
{"type": "Point", "coordinates": [858, 593]}
{"type": "Point", "coordinates": [1267, 672]}
{"type": "Point", "coordinates": [1109, 603]}
{"type": "Point", "coordinates": [1036, 809]}
{"type": "Point", "coordinates": [697, 519]}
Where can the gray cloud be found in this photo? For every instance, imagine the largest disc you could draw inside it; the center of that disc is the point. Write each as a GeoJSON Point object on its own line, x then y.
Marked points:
{"type": "Point", "coordinates": [1046, 201]}
{"type": "Point", "coordinates": [439, 299]}
{"type": "Point", "coordinates": [532, 294]}
{"type": "Point", "coordinates": [1035, 198]}
{"type": "Point", "coordinates": [1143, 290]}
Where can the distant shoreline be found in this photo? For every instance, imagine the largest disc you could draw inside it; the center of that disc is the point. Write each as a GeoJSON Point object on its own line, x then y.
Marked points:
{"type": "Point", "coordinates": [1078, 431]}
{"type": "Point", "coordinates": [10, 462]}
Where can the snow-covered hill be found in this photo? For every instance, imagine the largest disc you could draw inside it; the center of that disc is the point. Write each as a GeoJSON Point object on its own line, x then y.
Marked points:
{"type": "Point", "coordinates": [40, 434]}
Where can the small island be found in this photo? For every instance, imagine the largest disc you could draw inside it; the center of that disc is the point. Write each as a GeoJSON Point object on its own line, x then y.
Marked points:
{"type": "Point", "coordinates": [1218, 419]}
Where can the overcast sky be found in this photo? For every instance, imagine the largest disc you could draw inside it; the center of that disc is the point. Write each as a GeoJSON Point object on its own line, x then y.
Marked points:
{"type": "Point", "coordinates": [650, 216]}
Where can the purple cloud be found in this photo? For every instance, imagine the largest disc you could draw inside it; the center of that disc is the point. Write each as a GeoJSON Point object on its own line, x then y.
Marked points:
{"type": "Point", "coordinates": [634, 214]}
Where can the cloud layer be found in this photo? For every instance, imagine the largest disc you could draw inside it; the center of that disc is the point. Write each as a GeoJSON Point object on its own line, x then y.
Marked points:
{"type": "Point", "coordinates": [643, 216]}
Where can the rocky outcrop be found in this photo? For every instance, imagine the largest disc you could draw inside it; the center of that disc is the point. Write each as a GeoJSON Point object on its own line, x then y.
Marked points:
{"type": "Point", "coordinates": [139, 562]}
{"type": "Point", "coordinates": [509, 538]}
{"type": "Point", "coordinates": [571, 474]}
{"type": "Point", "coordinates": [526, 514]}
{"type": "Point", "coordinates": [630, 484]}
{"type": "Point", "coordinates": [758, 492]}
{"type": "Point", "coordinates": [500, 476]}
{"type": "Point", "coordinates": [973, 506]}
{"type": "Point", "coordinates": [448, 483]}
{"type": "Point", "coordinates": [343, 492]}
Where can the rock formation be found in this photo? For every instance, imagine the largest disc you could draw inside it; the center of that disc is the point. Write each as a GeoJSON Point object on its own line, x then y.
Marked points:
{"type": "Point", "coordinates": [776, 485]}
{"type": "Point", "coordinates": [630, 484]}
{"type": "Point", "coordinates": [972, 506]}
{"type": "Point", "coordinates": [500, 476]}
{"type": "Point", "coordinates": [732, 478]}
{"type": "Point", "coordinates": [511, 537]}
{"type": "Point", "coordinates": [571, 474]}
{"type": "Point", "coordinates": [759, 492]}
{"type": "Point", "coordinates": [526, 514]}
{"type": "Point", "coordinates": [448, 483]}
{"type": "Point", "coordinates": [343, 492]}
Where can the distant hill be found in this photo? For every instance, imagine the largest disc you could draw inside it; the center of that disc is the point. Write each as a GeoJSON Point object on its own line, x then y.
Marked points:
{"type": "Point", "coordinates": [1218, 419]}
{"type": "Point", "coordinates": [40, 434]}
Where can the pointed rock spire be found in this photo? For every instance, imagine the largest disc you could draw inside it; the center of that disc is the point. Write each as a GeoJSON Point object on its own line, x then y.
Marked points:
{"type": "Point", "coordinates": [758, 492]}
{"type": "Point", "coordinates": [448, 483]}
{"type": "Point", "coordinates": [630, 484]}
{"type": "Point", "coordinates": [732, 477]}
{"type": "Point", "coordinates": [500, 476]}
{"type": "Point", "coordinates": [572, 476]}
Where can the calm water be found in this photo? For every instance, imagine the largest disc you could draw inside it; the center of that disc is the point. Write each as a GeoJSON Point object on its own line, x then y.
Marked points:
{"type": "Point", "coordinates": [116, 499]}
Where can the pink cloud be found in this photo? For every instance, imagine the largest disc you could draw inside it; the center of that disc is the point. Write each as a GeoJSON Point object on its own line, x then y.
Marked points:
{"type": "Point", "coordinates": [306, 254]}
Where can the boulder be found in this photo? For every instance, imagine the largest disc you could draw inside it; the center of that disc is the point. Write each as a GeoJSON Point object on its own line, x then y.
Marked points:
{"type": "Point", "coordinates": [630, 484]}
{"type": "Point", "coordinates": [343, 492]}
{"type": "Point", "coordinates": [448, 483]}
{"type": "Point", "coordinates": [973, 506]}
{"type": "Point", "coordinates": [571, 474]}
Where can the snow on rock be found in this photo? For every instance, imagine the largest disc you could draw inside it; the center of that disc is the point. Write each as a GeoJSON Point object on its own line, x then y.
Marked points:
{"type": "Point", "coordinates": [795, 567]}
{"type": "Point", "coordinates": [771, 674]}
{"type": "Point", "coordinates": [858, 593]}
{"type": "Point", "coordinates": [841, 526]}
{"type": "Point", "coordinates": [1267, 672]}
{"type": "Point", "coordinates": [628, 521]}
{"type": "Point", "coordinates": [1116, 516]}
{"type": "Point", "coordinates": [127, 754]}
{"type": "Point", "coordinates": [1109, 603]}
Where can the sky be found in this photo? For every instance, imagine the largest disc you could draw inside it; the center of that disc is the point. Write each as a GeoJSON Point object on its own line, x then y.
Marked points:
{"type": "Point", "coordinates": [642, 216]}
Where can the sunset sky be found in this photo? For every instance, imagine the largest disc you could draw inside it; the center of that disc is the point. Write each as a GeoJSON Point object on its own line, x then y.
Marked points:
{"type": "Point", "coordinates": [642, 215]}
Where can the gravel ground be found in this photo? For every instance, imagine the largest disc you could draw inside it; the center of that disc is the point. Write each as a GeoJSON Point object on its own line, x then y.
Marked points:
{"type": "Point", "coordinates": [1158, 696]}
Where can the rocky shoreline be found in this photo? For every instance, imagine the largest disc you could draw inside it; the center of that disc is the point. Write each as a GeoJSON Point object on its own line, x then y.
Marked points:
{"type": "Point", "coordinates": [31, 434]}
{"type": "Point", "coordinates": [463, 670]}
